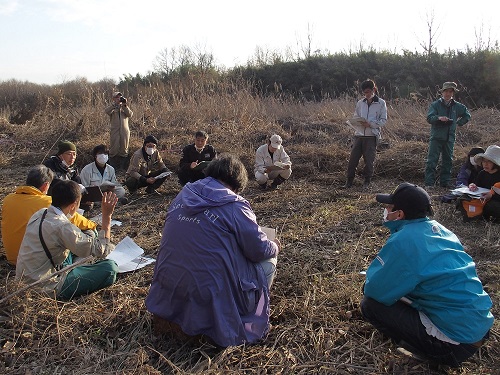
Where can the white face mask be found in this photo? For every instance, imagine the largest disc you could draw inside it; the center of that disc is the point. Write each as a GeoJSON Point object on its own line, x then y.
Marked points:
{"type": "Point", "coordinates": [101, 158]}
{"type": "Point", "coordinates": [386, 213]}
{"type": "Point", "coordinates": [70, 215]}
{"type": "Point", "coordinates": [65, 164]}
{"type": "Point", "coordinates": [150, 150]}
{"type": "Point", "coordinates": [472, 161]}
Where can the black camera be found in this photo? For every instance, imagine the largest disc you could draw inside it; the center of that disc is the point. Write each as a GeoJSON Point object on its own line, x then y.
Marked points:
{"type": "Point", "coordinates": [123, 99]}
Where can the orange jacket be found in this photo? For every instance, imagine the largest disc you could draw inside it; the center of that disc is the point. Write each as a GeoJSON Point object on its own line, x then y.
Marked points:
{"type": "Point", "coordinates": [17, 209]}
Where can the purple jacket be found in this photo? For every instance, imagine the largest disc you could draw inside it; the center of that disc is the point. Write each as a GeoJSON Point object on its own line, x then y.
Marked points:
{"type": "Point", "coordinates": [207, 278]}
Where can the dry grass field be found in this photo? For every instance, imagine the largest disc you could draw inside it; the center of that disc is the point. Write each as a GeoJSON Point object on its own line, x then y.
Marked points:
{"type": "Point", "coordinates": [328, 236]}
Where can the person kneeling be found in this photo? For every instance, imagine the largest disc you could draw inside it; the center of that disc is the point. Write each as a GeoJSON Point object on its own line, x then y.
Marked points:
{"type": "Point", "coordinates": [215, 265]}
{"type": "Point", "coordinates": [422, 289]}
{"type": "Point", "coordinates": [51, 241]}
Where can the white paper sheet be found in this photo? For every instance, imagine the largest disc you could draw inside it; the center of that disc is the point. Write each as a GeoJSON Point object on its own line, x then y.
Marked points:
{"type": "Point", "coordinates": [270, 232]}
{"type": "Point", "coordinates": [465, 190]}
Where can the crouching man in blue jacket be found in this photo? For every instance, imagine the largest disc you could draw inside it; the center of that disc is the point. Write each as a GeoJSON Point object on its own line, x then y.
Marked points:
{"type": "Point", "coordinates": [422, 289]}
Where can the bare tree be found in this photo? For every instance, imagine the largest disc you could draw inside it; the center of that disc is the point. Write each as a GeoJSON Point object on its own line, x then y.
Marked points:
{"type": "Point", "coordinates": [429, 44]}
{"type": "Point", "coordinates": [482, 43]}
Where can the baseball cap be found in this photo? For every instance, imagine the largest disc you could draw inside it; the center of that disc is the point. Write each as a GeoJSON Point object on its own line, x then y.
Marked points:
{"type": "Point", "coordinates": [275, 141]}
{"type": "Point", "coordinates": [410, 198]}
{"type": "Point", "coordinates": [115, 94]}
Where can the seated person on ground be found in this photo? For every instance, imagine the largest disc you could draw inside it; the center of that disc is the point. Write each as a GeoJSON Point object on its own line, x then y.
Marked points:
{"type": "Point", "coordinates": [194, 158]}
{"type": "Point", "coordinates": [145, 165]}
{"type": "Point", "coordinates": [64, 168]}
{"type": "Point", "coordinates": [422, 289]}
{"type": "Point", "coordinates": [51, 241]}
{"type": "Point", "coordinates": [272, 163]}
{"type": "Point", "coordinates": [215, 266]}
{"type": "Point", "coordinates": [469, 169]}
{"type": "Point", "coordinates": [100, 173]}
{"type": "Point", "coordinates": [18, 207]}
{"type": "Point", "coordinates": [63, 163]}
{"type": "Point", "coordinates": [489, 176]}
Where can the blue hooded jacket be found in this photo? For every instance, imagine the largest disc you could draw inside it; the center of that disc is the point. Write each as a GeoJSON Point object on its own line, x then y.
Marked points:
{"type": "Point", "coordinates": [207, 278]}
{"type": "Point", "coordinates": [426, 263]}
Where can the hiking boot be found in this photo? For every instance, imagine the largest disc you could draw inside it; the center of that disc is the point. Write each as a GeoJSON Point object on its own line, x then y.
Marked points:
{"type": "Point", "coordinates": [347, 185]}
{"type": "Point", "coordinates": [263, 186]}
{"type": "Point", "coordinates": [276, 182]}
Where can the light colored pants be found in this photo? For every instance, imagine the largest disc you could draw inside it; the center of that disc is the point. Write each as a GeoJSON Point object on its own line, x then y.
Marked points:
{"type": "Point", "coordinates": [269, 267]}
{"type": "Point", "coordinates": [262, 178]}
{"type": "Point", "coordinates": [118, 190]}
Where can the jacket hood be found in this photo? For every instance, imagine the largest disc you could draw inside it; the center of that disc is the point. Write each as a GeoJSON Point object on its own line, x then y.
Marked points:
{"type": "Point", "coordinates": [206, 193]}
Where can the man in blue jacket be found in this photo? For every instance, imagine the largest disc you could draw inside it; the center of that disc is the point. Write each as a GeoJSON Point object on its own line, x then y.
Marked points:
{"type": "Point", "coordinates": [422, 289]}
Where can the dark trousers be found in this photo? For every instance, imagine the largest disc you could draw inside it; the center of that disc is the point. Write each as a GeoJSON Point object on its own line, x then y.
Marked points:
{"type": "Point", "coordinates": [189, 176]}
{"type": "Point", "coordinates": [366, 147]}
{"type": "Point", "coordinates": [491, 210]}
{"type": "Point", "coordinates": [436, 148]}
{"type": "Point", "coordinates": [133, 183]}
{"type": "Point", "coordinates": [401, 322]}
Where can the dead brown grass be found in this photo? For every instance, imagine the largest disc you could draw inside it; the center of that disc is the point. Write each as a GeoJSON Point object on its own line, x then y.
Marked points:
{"type": "Point", "coordinates": [328, 236]}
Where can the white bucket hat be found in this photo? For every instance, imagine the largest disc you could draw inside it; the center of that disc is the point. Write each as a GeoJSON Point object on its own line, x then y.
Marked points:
{"type": "Point", "coordinates": [492, 154]}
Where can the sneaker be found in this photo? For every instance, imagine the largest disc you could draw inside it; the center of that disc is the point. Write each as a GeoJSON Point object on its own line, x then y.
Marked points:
{"type": "Point", "coordinates": [347, 185]}
{"type": "Point", "coordinates": [410, 354]}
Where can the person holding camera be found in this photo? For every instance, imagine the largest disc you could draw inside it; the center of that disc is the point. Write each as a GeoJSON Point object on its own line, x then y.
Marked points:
{"type": "Point", "coordinates": [119, 112]}
{"type": "Point", "coordinates": [444, 115]}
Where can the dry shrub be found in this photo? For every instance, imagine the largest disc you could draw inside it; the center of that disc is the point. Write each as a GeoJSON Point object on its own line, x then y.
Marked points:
{"type": "Point", "coordinates": [328, 236]}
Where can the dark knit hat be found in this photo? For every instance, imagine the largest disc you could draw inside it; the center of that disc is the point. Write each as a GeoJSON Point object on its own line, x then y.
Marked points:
{"type": "Point", "coordinates": [411, 199]}
{"type": "Point", "coordinates": [151, 139]}
{"type": "Point", "coordinates": [64, 146]}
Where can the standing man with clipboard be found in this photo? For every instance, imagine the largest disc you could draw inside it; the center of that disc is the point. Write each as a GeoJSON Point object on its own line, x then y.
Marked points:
{"type": "Point", "coordinates": [370, 115]}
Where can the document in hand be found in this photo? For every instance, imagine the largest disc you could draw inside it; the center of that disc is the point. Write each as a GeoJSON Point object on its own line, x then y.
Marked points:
{"type": "Point", "coordinates": [281, 165]}
{"type": "Point", "coordinates": [128, 256]}
{"type": "Point", "coordinates": [357, 124]}
{"type": "Point", "coordinates": [473, 194]}
{"type": "Point", "coordinates": [270, 232]}
{"type": "Point", "coordinates": [164, 174]}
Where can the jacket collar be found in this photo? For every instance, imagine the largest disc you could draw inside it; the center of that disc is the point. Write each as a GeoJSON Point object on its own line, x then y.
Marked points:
{"type": "Point", "coordinates": [396, 225]}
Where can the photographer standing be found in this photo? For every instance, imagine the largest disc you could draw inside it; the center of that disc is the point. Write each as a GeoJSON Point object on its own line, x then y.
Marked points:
{"type": "Point", "coordinates": [119, 113]}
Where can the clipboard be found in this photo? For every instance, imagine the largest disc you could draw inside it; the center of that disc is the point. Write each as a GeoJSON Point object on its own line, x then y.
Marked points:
{"type": "Point", "coordinates": [92, 194]}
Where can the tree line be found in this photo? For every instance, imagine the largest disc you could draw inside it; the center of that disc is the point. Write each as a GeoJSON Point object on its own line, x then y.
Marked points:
{"type": "Point", "coordinates": [314, 77]}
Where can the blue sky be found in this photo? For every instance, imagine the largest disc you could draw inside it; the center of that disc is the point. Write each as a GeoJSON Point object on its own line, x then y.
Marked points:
{"type": "Point", "coordinates": [53, 41]}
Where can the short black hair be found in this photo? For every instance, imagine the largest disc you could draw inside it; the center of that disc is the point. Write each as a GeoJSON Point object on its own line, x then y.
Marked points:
{"type": "Point", "coordinates": [38, 175]}
{"type": "Point", "coordinates": [100, 149]}
{"type": "Point", "coordinates": [368, 84]}
{"type": "Point", "coordinates": [201, 134]}
{"type": "Point", "coordinates": [230, 170]}
{"type": "Point", "coordinates": [65, 193]}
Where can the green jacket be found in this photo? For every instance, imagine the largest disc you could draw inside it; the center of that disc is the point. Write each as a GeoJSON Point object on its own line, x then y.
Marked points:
{"type": "Point", "coordinates": [445, 131]}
